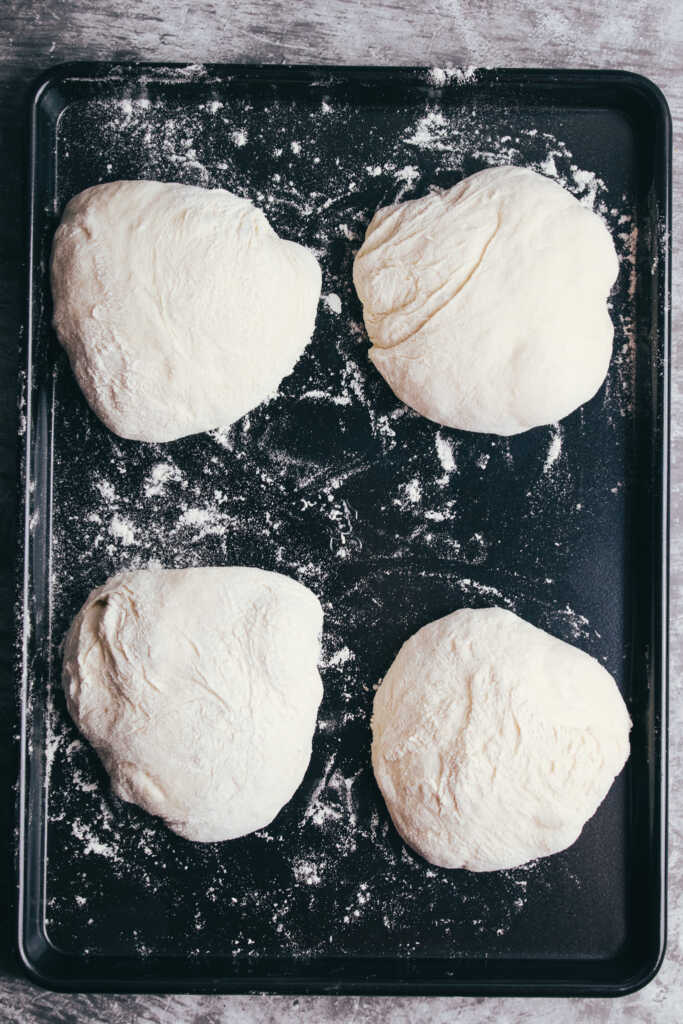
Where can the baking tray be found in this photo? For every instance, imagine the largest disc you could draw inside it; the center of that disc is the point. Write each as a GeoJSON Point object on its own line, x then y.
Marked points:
{"type": "Point", "coordinates": [391, 520]}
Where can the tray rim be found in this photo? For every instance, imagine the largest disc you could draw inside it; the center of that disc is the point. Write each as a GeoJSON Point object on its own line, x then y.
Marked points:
{"type": "Point", "coordinates": [87, 979]}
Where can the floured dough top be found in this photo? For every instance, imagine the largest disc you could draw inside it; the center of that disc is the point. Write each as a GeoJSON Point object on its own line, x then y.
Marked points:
{"type": "Point", "coordinates": [199, 690]}
{"type": "Point", "coordinates": [179, 307]}
{"type": "Point", "coordinates": [485, 303]}
{"type": "Point", "coordinates": [494, 742]}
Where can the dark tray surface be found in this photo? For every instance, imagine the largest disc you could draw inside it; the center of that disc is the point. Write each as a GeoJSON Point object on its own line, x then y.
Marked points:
{"type": "Point", "coordinates": [389, 519]}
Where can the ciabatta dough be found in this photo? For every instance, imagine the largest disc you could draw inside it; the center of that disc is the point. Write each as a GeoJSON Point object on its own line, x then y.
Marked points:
{"type": "Point", "coordinates": [179, 307]}
{"type": "Point", "coordinates": [485, 303]}
{"type": "Point", "coordinates": [198, 688]}
{"type": "Point", "coordinates": [494, 742]}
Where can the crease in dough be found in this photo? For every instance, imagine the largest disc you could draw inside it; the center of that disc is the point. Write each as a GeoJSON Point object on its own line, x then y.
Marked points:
{"type": "Point", "coordinates": [486, 303]}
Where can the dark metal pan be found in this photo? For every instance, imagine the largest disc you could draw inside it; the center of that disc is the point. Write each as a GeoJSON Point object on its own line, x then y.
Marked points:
{"type": "Point", "coordinates": [390, 520]}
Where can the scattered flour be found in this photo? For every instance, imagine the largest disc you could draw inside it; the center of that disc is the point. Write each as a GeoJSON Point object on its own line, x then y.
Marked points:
{"type": "Point", "coordinates": [91, 842]}
{"type": "Point", "coordinates": [322, 504]}
{"type": "Point", "coordinates": [123, 530]}
{"type": "Point", "coordinates": [306, 872]}
{"type": "Point", "coordinates": [588, 186]}
{"type": "Point", "coordinates": [446, 454]}
{"type": "Point", "coordinates": [203, 521]}
{"type": "Point", "coordinates": [333, 303]}
{"type": "Point", "coordinates": [554, 449]}
{"type": "Point", "coordinates": [409, 175]}
{"type": "Point", "coordinates": [162, 473]}
{"type": "Point", "coordinates": [341, 657]}
{"type": "Point", "coordinates": [439, 77]}
{"type": "Point", "coordinates": [431, 132]}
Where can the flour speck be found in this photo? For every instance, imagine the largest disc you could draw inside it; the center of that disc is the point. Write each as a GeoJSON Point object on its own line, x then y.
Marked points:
{"type": "Point", "coordinates": [123, 530]}
{"type": "Point", "coordinates": [554, 449]}
{"type": "Point", "coordinates": [333, 303]}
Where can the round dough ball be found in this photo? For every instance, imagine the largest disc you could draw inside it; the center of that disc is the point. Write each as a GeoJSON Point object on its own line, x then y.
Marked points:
{"type": "Point", "coordinates": [494, 742]}
{"type": "Point", "coordinates": [179, 307]}
{"type": "Point", "coordinates": [485, 303]}
{"type": "Point", "coordinates": [198, 688]}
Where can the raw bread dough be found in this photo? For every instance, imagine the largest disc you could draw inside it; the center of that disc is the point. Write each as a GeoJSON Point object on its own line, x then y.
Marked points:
{"type": "Point", "coordinates": [494, 742]}
{"type": "Point", "coordinates": [198, 688]}
{"type": "Point", "coordinates": [179, 307]}
{"type": "Point", "coordinates": [485, 303]}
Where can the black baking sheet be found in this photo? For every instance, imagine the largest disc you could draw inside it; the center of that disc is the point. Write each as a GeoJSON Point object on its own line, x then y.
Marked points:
{"type": "Point", "coordinates": [390, 519]}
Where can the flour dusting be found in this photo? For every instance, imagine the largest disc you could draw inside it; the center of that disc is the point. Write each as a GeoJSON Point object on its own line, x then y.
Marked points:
{"type": "Point", "coordinates": [440, 77]}
{"type": "Point", "coordinates": [390, 519]}
{"type": "Point", "coordinates": [554, 449]}
{"type": "Point", "coordinates": [333, 303]}
{"type": "Point", "coordinates": [122, 530]}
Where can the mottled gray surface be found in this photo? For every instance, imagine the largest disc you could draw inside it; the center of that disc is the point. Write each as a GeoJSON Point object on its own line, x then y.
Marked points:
{"type": "Point", "coordinates": [639, 35]}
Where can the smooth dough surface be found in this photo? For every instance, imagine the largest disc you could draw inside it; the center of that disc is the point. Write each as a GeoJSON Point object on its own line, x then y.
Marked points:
{"type": "Point", "coordinates": [179, 307]}
{"type": "Point", "coordinates": [493, 741]}
{"type": "Point", "coordinates": [199, 690]}
{"type": "Point", "coordinates": [486, 303]}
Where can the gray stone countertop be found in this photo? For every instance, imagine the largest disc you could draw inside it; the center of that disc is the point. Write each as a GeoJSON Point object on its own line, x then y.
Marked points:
{"type": "Point", "coordinates": [645, 36]}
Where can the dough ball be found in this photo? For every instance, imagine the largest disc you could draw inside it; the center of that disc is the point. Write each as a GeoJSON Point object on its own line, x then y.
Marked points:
{"type": "Point", "coordinates": [494, 742]}
{"type": "Point", "coordinates": [179, 307]}
{"type": "Point", "coordinates": [198, 688]}
{"type": "Point", "coordinates": [485, 303]}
